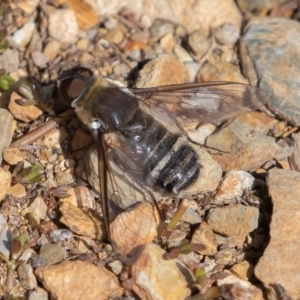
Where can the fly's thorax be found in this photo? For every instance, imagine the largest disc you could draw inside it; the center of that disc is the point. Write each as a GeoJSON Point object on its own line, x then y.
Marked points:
{"type": "Point", "coordinates": [106, 102]}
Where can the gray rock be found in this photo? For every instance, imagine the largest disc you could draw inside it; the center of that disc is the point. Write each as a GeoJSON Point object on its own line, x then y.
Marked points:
{"type": "Point", "coordinates": [38, 294]}
{"type": "Point", "coordinates": [6, 133]}
{"type": "Point", "coordinates": [26, 277]}
{"type": "Point", "coordinates": [5, 237]}
{"type": "Point", "coordinates": [60, 235]}
{"type": "Point", "coordinates": [52, 253]}
{"type": "Point", "coordinates": [270, 56]}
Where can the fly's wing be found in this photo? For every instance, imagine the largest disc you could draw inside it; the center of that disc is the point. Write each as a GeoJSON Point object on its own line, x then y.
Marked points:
{"type": "Point", "coordinates": [211, 102]}
{"type": "Point", "coordinates": [131, 221]}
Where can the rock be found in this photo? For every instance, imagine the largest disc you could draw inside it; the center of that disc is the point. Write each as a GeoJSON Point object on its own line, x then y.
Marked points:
{"type": "Point", "coordinates": [5, 237]}
{"type": "Point", "coordinates": [191, 216]}
{"type": "Point", "coordinates": [238, 289]}
{"type": "Point", "coordinates": [192, 69]}
{"type": "Point", "coordinates": [259, 121]}
{"type": "Point", "coordinates": [85, 15]}
{"type": "Point", "coordinates": [13, 155]}
{"type": "Point", "coordinates": [39, 59]}
{"type": "Point", "coordinates": [81, 222]}
{"type": "Point", "coordinates": [199, 43]}
{"type": "Point", "coordinates": [226, 34]}
{"type": "Point", "coordinates": [52, 254]}
{"type": "Point", "coordinates": [51, 49]}
{"type": "Point", "coordinates": [219, 70]}
{"type": "Point", "coordinates": [161, 71]}
{"type": "Point", "coordinates": [267, 46]}
{"type": "Point", "coordinates": [152, 276]}
{"type": "Point", "coordinates": [64, 178]}
{"type": "Point", "coordinates": [79, 280]}
{"type": "Point", "coordinates": [233, 186]}
{"type": "Point", "coordinates": [28, 6]}
{"type": "Point", "coordinates": [247, 149]}
{"type": "Point", "coordinates": [38, 207]}
{"type": "Point", "coordinates": [132, 229]}
{"type": "Point", "coordinates": [17, 191]}
{"type": "Point", "coordinates": [182, 54]}
{"type": "Point", "coordinates": [82, 44]}
{"type": "Point", "coordinates": [256, 5]}
{"type": "Point", "coordinates": [60, 235]}
{"type": "Point", "coordinates": [200, 133]}
{"type": "Point", "coordinates": [22, 36]}
{"type": "Point", "coordinates": [54, 137]}
{"type": "Point", "coordinates": [167, 42]}
{"type": "Point", "coordinates": [6, 131]}
{"type": "Point", "coordinates": [244, 270]}
{"type": "Point", "coordinates": [5, 181]}
{"type": "Point", "coordinates": [26, 277]}
{"type": "Point", "coordinates": [38, 294]}
{"type": "Point", "coordinates": [115, 35]}
{"type": "Point", "coordinates": [204, 235]}
{"type": "Point", "coordinates": [116, 266]}
{"type": "Point", "coordinates": [279, 264]}
{"type": "Point", "coordinates": [24, 113]}
{"type": "Point", "coordinates": [220, 11]}
{"type": "Point", "coordinates": [9, 60]}
{"type": "Point", "coordinates": [79, 196]}
{"type": "Point", "coordinates": [233, 220]}
{"type": "Point", "coordinates": [161, 28]}
{"type": "Point", "coordinates": [66, 31]}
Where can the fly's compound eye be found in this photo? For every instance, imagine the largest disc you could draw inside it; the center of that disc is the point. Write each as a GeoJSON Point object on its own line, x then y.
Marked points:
{"type": "Point", "coordinates": [72, 83]}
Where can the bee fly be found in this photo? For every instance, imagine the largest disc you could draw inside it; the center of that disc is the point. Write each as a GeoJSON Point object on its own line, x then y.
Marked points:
{"type": "Point", "coordinates": [142, 147]}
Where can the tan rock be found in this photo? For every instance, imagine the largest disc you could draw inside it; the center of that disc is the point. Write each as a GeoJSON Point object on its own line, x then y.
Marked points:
{"type": "Point", "coordinates": [220, 70]}
{"type": "Point", "coordinates": [246, 148]}
{"type": "Point", "coordinates": [38, 207]}
{"type": "Point", "coordinates": [81, 222]}
{"type": "Point", "coordinates": [233, 220]}
{"type": "Point", "coordinates": [244, 270]}
{"type": "Point", "coordinates": [51, 49]}
{"type": "Point", "coordinates": [259, 121]}
{"type": "Point", "coordinates": [54, 137]}
{"type": "Point", "coordinates": [153, 276]}
{"type": "Point", "coordinates": [132, 229]}
{"type": "Point", "coordinates": [79, 196]}
{"type": "Point", "coordinates": [85, 15]}
{"type": "Point", "coordinates": [17, 191]}
{"type": "Point", "coordinates": [6, 129]}
{"type": "Point", "coordinates": [161, 71]}
{"type": "Point", "coordinates": [180, 12]}
{"type": "Point", "coordinates": [204, 235]}
{"type": "Point", "coordinates": [24, 113]}
{"type": "Point", "coordinates": [13, 155]}
{"type": "Point", "coordinates": [233, 186]}
{"type": "Point", "coordinates": [79, 280]}
{"type": "Point", "coordinates": [167, 42]}
{"type": "Point", "coordinates": [115, 35]}
{"type": "Point", "coordinates": [5, 181]}
{"type": "Point", "coordinates": [279, 265]}
{"type": "Point", "coordinates": [66, 31]}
